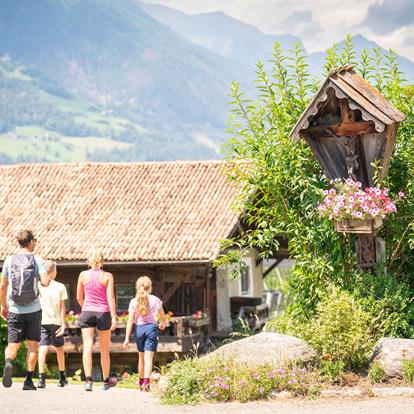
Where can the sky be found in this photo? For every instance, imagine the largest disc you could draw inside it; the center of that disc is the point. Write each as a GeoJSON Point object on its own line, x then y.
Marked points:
{"type": "Point", "coordinates": [319, 23]}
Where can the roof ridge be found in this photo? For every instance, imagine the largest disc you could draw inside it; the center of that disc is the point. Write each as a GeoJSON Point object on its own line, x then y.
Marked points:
{"type": "Point", "coordinates": [116, 164]}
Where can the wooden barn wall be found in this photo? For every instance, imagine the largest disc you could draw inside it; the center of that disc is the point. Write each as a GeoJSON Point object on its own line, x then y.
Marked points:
{"type": "Point", "coordinates": [191, 295]}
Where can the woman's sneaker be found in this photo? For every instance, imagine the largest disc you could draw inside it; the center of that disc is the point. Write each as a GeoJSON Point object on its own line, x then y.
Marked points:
{"type": "Point", "coordinates": [88, 386]}
{"type": "Point", "coordinates": [109, 383]}
{"type": "Point", "coordinates": [62, 383]}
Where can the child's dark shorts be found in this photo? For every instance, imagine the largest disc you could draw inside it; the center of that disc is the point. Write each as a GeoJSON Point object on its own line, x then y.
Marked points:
{"type": "Point", "coordinates": [48, 336]}
{"type": "Point", "coordinates": [147, 337]}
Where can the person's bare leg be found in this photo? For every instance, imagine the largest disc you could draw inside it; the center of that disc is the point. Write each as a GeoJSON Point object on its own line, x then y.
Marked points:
{"type": "Point", "coordinates": [60, 355]}
{"type": "Point", "coordinates": [32, 351]}
{"type": "Point", "coordinates": [42, 358]}
{"type": "Point", "coordinates": [87, 338]}
{"type": "Point", "coordinates": [10, 354]}
{"type": "Point", "coordinates": [12, 350]}
{"type": "Point", "coordinates": [149, 360]}
{"type": "Point", "coordinates": [141, 365]}
{"type": "Point", "coordinates": [104, 344]}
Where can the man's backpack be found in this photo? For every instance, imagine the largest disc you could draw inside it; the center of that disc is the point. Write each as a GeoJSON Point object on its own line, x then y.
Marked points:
{"type": "Point", "coordinates": [24, 278]}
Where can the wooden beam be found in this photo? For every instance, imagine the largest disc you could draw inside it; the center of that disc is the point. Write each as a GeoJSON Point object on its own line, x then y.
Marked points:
{"type": "Point", "coordinates": [272, 266]}
{"type": "Point", "coordinates": [342, 129]}
{"type": "Point", "coordinates": [347, 114]}
{"type": "Point", "coordinates": [170, 292]}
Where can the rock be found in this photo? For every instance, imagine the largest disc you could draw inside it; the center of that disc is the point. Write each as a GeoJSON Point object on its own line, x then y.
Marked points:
{"type": "Point", "coordinates": [390, 352]}
{"type": "Point", "coordinates": [345, 392]}
{"type": "Point", "coordinates": [392, 391]}
{"type": "Point", "coordinates": [266, 348]}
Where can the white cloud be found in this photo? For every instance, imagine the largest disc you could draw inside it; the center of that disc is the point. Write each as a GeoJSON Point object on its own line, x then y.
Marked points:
{"type": "Point", "coordinates": [318, 22]}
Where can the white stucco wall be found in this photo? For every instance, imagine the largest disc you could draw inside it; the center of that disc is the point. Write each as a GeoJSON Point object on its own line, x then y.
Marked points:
{"type": "Point", "coordinates": [227, 288]}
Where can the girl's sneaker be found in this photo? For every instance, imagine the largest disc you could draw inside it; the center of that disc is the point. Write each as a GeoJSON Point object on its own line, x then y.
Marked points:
{"type": "Point", "coordinates": [146, 385]}
{"type": "Point", "coordinates": [88, 386]}
{"type": "Point", "coordinates": [139, 383]}
{"type": "Point", "coordinates": [109, 383]}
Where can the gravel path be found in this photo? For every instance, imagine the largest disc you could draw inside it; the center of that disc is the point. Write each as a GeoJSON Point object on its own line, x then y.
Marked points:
{"type": "Point", "coordinates": [73, 400]}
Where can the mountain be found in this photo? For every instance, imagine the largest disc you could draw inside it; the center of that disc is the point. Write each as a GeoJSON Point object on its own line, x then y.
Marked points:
{"type": "Point", "coordinates": [120, 80]}
{"type": "Point", "coordinates": [115, 55]}
{"type": "Point", "coordinates": [221, 34]}
{"type": "Point", "coordinates": [40, 121]}
{"type": "Point", "coordinates": [316, 60]}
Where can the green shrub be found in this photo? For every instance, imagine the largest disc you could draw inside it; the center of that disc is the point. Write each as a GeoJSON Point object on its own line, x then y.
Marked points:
{"type": "Point", "coordinates": [389, 301]}
{"type": "Point", "coordinates": [408, 370]}
{"type": "Point", "coordinates": [331, 371]}
{"type": "Point", "coordinates": [340, 329]}
{"type": "Point", "coordinates": [183, 382]}
{"type": "Point", "coordinates": [376, 372]}
{"type": "Point", "coordinates": [201, 379]}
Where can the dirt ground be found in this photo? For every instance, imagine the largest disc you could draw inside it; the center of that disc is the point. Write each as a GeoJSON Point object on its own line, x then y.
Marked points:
{"type": "Point", "coordinates": [73, 400]}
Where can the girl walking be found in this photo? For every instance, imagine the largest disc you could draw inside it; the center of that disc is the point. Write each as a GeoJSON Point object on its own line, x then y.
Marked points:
{"type": "Point", "coordinates": [95, 294]}
{"type": "Point", "coordinates": [143, 312]}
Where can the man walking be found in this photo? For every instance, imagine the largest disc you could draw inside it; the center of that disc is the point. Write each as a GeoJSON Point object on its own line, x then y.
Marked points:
{"type": "Point", "coordinates": [20, 305]}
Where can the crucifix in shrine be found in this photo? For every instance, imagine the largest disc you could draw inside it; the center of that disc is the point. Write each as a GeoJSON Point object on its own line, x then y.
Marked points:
{"type": "Point", "coordinates": [350, 128]}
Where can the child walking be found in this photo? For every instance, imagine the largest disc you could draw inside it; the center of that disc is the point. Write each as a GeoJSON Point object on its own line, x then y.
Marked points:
{"type": "Point", "coordinates": [52, 300]}
{"type": "Point", "coordinates": [143, 312]}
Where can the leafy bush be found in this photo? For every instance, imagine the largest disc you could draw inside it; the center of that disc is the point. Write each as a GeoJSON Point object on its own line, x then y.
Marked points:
{"type": "Point", "coordinates": [284, 184]}
{"type": "Point", "coordinates": [339, 330]}
{"type": "Point", "coordinates": [389, 301]}
{"type": "Point", "coordinates": [331, 371]}
{"type": "Point", "coordinates": [202, 379]}
{"type": "Point", "coordinates": [408, 370]}
{"type": "Point", "coordinates": [183, 382]}
{"type": "Point", "coordinates": [376, 372]}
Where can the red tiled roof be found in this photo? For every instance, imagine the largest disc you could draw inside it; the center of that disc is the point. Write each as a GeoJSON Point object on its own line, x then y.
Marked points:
{"type": "Point", "coordinates": [161, 211]}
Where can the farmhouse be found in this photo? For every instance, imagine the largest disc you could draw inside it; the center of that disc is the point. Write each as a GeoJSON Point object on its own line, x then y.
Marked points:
{"type": "Point", "coordinates": [162, 219]}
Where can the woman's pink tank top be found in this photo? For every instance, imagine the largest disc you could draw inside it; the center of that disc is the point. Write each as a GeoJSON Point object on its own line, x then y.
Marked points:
{"type": "Point", "coordinates": [96, 299]}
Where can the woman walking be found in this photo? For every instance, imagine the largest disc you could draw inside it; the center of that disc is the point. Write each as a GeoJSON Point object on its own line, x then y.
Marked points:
{"type": "Point", "coordinates": [144, 310]}
{"type": "Point", "coordinates": [95, 294]}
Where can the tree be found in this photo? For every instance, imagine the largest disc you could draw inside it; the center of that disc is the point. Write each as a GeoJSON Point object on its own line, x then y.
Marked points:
{"type": "Point", "coordinates": [283, 183]}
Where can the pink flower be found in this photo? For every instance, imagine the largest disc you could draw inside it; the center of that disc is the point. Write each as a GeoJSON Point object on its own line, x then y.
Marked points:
{"type": "Point", "coordinates": [401, 194]}
{"type": "Point", "coordinates": [71, 313]}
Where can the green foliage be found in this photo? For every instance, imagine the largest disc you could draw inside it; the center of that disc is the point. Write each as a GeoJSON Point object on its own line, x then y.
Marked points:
{"type": "Point", "coordinates": [331, 371]}
{"type": "Point", "coordinates": [376, 372]}
{"type": "Point", "coordinates": [191, 381]}
{"type": "Point", "coordinates": [283, 183]}
{"type": "Point", "coordinates": [183, 382]}
{"type": "Point", "coordinates": [408, 370]}
{"type": "Point", "coordinates": [339, 331]}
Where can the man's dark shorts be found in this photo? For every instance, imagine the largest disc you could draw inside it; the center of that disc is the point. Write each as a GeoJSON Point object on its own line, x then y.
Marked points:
{"type": "Point", "coordinates": [100, 320]}
{"type": "Point", "coordinates": [147, 337]}
{"type": "Point", "coordinates": [48, 336]}
{"type": "Point", "coordinates": [24, 326]}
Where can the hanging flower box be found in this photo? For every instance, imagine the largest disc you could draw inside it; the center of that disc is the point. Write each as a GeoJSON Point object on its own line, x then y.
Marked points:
{"type": "Point", "coordinates": [359, 226]}
{"type": "Point", "coordinates": [357, 210]}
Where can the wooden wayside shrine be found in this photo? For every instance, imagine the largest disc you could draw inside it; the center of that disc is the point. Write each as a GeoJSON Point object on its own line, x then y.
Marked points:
{"type": "Point", "coordinates": [351, 128]}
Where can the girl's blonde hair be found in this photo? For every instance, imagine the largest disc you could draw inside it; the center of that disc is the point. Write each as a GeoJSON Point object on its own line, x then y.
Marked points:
{"type": "Point", "coordinates": [96, 259]}
{"type": "Point", "coordinates": [143, 287]}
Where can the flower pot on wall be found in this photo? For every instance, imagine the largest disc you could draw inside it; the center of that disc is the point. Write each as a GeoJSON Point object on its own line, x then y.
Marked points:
{"type": "Point", "coordinates": [365, 226]}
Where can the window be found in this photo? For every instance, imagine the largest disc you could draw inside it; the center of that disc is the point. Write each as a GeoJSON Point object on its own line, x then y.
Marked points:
{"type": "Point", "coordinates": [124, 293]}
{"type": "Point", "coordinates": [245, 280]}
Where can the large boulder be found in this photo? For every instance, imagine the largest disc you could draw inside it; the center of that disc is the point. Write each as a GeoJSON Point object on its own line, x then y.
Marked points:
{"type": "Point", "coordinates": [266, 348]}
{"type": "Point", "coordinates": [391, 352]}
